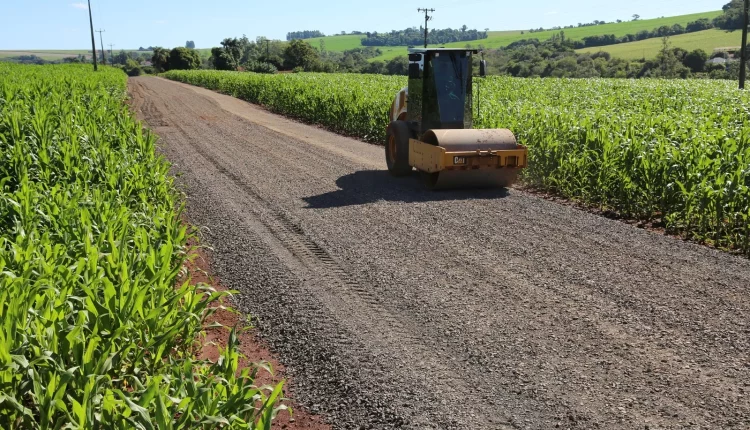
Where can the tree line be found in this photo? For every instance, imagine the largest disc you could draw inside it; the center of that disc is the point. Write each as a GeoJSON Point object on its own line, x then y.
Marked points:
{"type": "Point", "coordinates": [266, 56]}
{"type": "Point", "coordinates": [415, 37]}
{"type": "Point", "coordinates": [731, 18]}
{"type": "Point", "coordinates": [662, 31]}
{"type": "Point", "coordinates": [556, 57]}
{"type": "Point", "coordinates": [304, 34]}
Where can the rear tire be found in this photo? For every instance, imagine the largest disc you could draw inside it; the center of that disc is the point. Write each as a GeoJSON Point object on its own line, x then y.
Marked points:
{"type": "Point", "coordinates": [397, 148]}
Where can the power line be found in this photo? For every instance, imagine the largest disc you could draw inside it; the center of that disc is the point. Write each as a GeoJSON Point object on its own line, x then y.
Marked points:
{"type": "Point", "coordinates": [101, 43]}
{"type": "Point", "coordinates": [426, 18]}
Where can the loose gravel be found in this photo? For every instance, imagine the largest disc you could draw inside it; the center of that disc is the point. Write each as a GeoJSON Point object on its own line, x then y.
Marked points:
{"type": "Point", "coordinates": [396, 307]}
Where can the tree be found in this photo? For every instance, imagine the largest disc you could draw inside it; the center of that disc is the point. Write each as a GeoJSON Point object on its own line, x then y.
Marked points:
{"type": "Point", "coordinates": [190, 44]}
{"type": "Point", "coordinates": [699, 25]}
{"type": "Point", "coordinates": [732, 17]}
{"type": "Point", "coordinates": [636, 17]}
{"type": "Point", "coordinates": [306, 34]}
{"type": "Point", "coordinates": [184, 59]}
{"type": "Point", "coordinates": [233, 48]}
{"type": "Point", "coordinates": [132, 68]}
{"type": "Point", "coordinates": [299, 54]}
{"type": "Point", "coordinates": [696, 60]}
{"type": "Point", "coordinates": [375, 67]}
{"type": "Point", "coordinates": [221, 60]}
{"type": "Point", "coordinates": [669, 65]}
{"type": "Point", "coordinates": [397, 66]}
{"type": "Point", "coordinates": [679, 53]}
{"type": "Point", "coordinates": [120, 58]}
{"type": "Point", "coordinates": [160, 59]}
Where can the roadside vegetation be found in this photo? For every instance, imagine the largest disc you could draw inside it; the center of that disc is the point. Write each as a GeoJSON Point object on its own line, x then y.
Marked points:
{"type": "Point", "coordinates": [554, 56]}
{"type": "Point", "coordinates": [673, 153]}
{"type": "Point", "coordinates": [97, 331]}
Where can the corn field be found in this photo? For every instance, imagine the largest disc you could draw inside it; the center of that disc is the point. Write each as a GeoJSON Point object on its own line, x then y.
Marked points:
{"type": "Point", "coordinates": [97, 331]}
{"type": "Point", "coordinates": [673, 152]}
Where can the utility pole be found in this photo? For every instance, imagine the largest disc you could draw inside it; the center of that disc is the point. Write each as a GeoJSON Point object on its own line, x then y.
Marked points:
{"type": "Point", "coordinates": [427, 18]}
{"type": "Point", "coordinates": [101, 43]}
{"type": "Point", "coordinates": [111, 55]}
{"type": "Point", "coordinates": [93, 43]}
{"type": "Point", "coordinates": [743, 55]}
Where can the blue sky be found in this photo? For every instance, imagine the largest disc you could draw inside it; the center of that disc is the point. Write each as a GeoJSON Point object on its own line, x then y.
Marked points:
{"type": "Point", "coordinates": [63, 24]}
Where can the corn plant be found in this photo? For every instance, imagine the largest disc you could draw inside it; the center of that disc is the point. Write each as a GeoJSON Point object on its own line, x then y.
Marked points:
{"type": "Point", "coordinates": [96, 331]}
{"type": "Point", "coordinates": [675, 152]}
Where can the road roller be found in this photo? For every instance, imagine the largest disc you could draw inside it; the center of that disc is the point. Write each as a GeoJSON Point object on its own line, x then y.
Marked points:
{"type": "Point", "coordinates": [431, 127]}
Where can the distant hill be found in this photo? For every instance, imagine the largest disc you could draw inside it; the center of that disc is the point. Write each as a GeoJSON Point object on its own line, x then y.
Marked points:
{"type": "Point", "coordinates": [498, 39]}
{"type": "Point", "coordinates": [707, 40]}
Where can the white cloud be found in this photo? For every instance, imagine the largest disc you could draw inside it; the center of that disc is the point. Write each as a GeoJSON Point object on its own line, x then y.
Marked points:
{"type": "Point", "coordinates": [79, 6]}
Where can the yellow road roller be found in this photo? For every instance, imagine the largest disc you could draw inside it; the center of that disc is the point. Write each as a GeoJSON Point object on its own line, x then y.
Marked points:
{"type": "Point", "coordinates": [431, 130]}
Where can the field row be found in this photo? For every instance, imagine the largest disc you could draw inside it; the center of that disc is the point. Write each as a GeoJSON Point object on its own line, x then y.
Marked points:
{"type": "Point", "coordinates": [676, 153]}
{"type": "Point", "coordinates": [97, 331]}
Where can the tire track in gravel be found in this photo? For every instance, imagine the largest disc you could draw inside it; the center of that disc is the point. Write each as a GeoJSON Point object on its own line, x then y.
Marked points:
{"type": "Point", "coordinates": [536, 315]}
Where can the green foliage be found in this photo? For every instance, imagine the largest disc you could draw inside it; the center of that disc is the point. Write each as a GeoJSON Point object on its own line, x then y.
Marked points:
{"type": "Point", "coordinates": [305, 34]}
{"type": "Point", "coordinates": [299, 53]}
{"type": "Point", "coordinates": [699, 25]}
{"type": "Point", "coordinates": [184, 59]}
{"type": "Point", "coordinates": [731, 19]}
{"type": "Point", "coordinates": [676, 151]}
{"type": "Point", "coordinates": [160, 59]}
{"type": "Point", "coordinates": [97, 324]}
{"type": "Point", "coordinates": [190, 44]}
{"type": "Point", "coordinates": [132, 68]}
{"type": "Point", "coordinates": [397, 66]}
{"type": "Point", "coordinates": [708, 40]}
{"type": "Point", "coordinates": [351, 104]}
{"type": "Point", "coordinates": [120, 58]}
{"type": "Point", "coordinates": [415, 37]}
{"type": "Point", "coordinates": [222, 60]}
{"type": "Point", "coordinates": [696, 60]}
{"type": "Point", "coordinates": [499, 39]}
{"type": "Point", "coordinates": [259, 67]}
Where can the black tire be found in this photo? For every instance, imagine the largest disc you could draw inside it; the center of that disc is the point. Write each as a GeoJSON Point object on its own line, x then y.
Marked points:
{"type": "Point", "coordinates": [398, 142]}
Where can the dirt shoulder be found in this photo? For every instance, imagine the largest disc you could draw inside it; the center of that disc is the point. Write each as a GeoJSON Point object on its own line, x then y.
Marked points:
{"type": "Point", "coordinates": [253, 349]}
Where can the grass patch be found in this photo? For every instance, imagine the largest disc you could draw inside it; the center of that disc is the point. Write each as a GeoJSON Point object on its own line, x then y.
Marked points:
{"type": "Point", "coordinates": [706, 40]}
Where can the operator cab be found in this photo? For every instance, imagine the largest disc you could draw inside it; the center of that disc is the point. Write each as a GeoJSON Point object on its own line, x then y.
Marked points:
{"type": "Point", "coordinates": [440, 88]}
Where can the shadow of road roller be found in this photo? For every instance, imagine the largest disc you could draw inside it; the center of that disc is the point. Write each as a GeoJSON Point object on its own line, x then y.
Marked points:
{"type": "Point", "coordinates": [431, 127]}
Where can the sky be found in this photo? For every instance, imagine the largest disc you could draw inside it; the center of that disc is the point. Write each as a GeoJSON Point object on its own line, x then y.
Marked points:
{"type": "Point", "coordinates": [63, 24]}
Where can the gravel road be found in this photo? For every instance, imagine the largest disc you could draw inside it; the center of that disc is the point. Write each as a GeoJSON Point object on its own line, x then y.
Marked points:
{"type": "Point", "coordinates": [395, 307]}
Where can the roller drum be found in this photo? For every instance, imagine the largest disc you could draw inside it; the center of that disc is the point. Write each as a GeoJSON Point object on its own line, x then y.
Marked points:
{"type": "Point", "coordinates": [457, 140]}
{"type": "Point", "coordinates": [469, 141]}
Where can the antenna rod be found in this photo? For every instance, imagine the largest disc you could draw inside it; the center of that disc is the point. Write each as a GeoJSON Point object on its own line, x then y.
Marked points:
{"type": "Point", "coordinates": [426, 18]}
{"type": "Point", "coordinates": [101, 43]}
{"type": "Point", "coordinates": [93, 43]}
